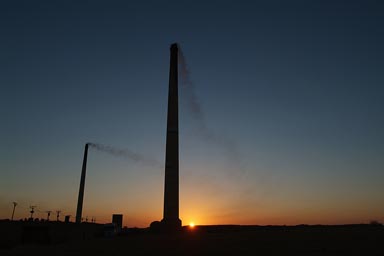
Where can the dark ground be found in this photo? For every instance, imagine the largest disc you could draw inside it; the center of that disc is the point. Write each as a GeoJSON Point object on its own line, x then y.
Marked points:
{"type": "Point", "coordinates": [221, 240]}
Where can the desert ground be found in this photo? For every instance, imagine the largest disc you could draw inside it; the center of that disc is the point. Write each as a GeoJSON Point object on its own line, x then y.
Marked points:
{"type": "Point", "coordinates": [208, 240]}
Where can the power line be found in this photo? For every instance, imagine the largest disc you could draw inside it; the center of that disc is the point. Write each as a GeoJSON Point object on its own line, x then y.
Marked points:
{"type": "Point", "coordinates": [48, 214]}
{"type": "Point", "coordinates": [29, 208]}
{"type": "Point", "coordinates": [58, 215]}
{"type": "Point", "coordinates": [32, 207]}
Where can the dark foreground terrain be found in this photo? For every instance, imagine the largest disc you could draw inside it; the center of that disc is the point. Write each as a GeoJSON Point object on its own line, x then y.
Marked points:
{"type": "Point", "coordinates": [219, 240]}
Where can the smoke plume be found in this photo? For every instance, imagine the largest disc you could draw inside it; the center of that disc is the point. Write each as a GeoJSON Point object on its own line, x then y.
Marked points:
{"type": "Point", "coordinates": [194, 107]}
{"type": "Point", "coordinates": [192, 101]}
{"type": "Point", "coordinates": [125, 153]}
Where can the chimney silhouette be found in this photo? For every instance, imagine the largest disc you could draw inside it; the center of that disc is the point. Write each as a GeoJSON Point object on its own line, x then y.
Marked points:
{"type": "Point", "coordinates": [171, 219]}
{"type": "Point", "coordinates": [82, 185]}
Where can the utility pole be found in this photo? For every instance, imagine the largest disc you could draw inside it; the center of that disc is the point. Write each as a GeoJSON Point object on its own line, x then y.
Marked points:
{"type": "Point", "coordinates": [32, 207]}
{"type": "Point", "coordinates": [13, 212]}
{"type": "Point", "coordinates": [48, 214]}
{"type": "Point", "coordinates": [58, 215]}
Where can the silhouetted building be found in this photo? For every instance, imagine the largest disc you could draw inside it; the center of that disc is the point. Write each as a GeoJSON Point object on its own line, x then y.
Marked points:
{"type": "Point", "coordinates": [117, 219]}
{"type": "Point", "coordinates": [171, 219]}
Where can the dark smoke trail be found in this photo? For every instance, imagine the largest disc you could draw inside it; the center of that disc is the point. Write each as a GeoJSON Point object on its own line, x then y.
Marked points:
{"type": "Point", "coordinates": [193, 105]}
{"type": "Point", "coordinates": [126, 153]}
{"type": "Point", "coordinates": [237, 171]}
{"type": "Point", "coordinates": [192, 101]}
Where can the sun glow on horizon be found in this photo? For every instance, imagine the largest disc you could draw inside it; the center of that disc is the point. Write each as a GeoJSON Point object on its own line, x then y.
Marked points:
{"type": "Point", "coordinates": [191, 224]}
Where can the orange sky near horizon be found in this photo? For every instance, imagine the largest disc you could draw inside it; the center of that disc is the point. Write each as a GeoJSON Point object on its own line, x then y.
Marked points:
{"type": "Point", "coordinates": [206, 205]}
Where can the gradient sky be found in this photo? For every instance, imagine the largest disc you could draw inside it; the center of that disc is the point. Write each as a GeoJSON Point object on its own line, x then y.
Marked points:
{"type": "Point", "coordinates": [293, 89]}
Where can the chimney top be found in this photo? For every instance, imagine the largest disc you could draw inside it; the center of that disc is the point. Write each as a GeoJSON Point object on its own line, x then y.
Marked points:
{"type": "Point", "coordinates": [174, 45]}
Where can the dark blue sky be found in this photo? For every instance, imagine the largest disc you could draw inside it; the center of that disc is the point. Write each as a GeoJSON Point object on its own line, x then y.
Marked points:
{"type": "Point", "coordinates": [294, 87]}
